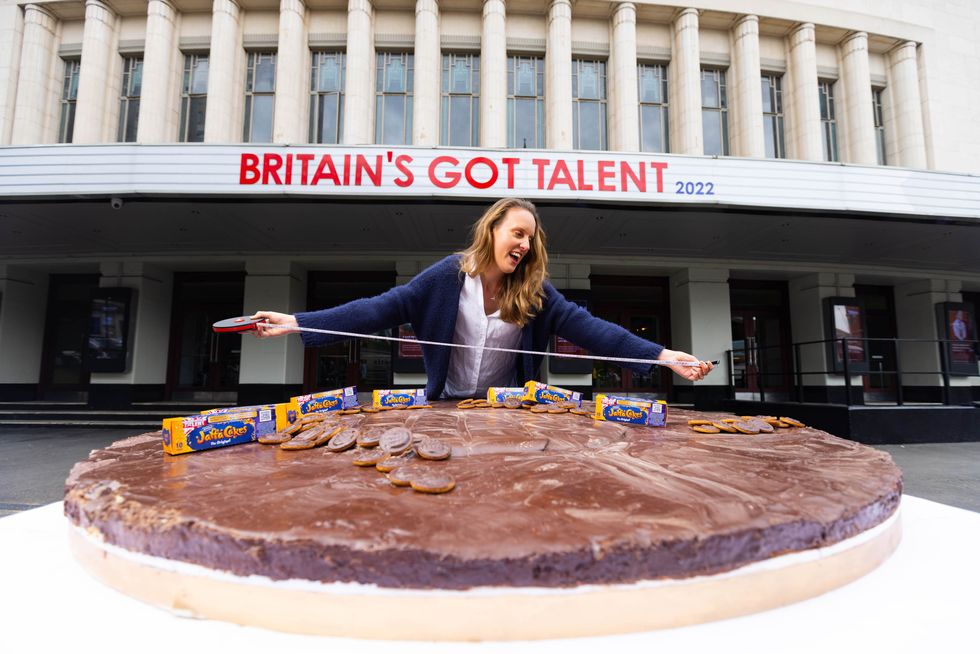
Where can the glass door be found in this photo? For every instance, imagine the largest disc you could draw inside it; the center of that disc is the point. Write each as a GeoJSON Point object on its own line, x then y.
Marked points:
{"type": "Point", "coordinates": [761, 346]}
{"type": "Point", "coordinates": [63, 377]}
{"type": "Point", "coordinates": [759, 352]}
{"type": "Point", "coordinates": [204, 365]}
{"type": "Point", "coordinates": [355, 362]}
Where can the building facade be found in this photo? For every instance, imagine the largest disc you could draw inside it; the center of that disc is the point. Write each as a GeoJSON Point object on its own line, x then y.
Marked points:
{"type": "Point", "coordinates": [738, 179]}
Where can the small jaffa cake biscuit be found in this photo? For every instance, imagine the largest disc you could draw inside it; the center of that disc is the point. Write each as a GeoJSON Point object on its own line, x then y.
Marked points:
{"type": "Point", "coordinates": [368, 458]}
{"type": "Point", "coordinates": [396, 440]}
{"type": "Point", "coordinates": [433, 449]}
{"type": "Point", "coordinates": [705, 429]}
{"type": "Point", "coordinates": [275, 438]}
{"type": "Point", "coordinates": [369, 438]}
{"type": "Point", "coordinates": [763, 426]}
{"type": "Point", "coordinates": [792, 422]}
{"type": "Point", "coordinates": [745, 427]}
{"type": "Point", "coordinates": [403, 475]}
{"type": "Point", "coordinates": [311, 438]}
{"type": "Point", "coordinates": [433, 481]}
{"type": "Point", "coordinates": [344, 440]}
{"type": "Point", "coordinates": [393, 461]}
{"type": "Point", "coordinates": [724, 426]}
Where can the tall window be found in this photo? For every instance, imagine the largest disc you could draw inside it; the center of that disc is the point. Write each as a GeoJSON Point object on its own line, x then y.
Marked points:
{"type": "Point", "coordinates": [654, 126]}
{"type": "Point", "coordinates": [588, 104]}
{"type": "Point", "coordinates": [828, 121]}
{"type": "Point", "coordinates": [879, 125]}
{"type": "Point", "coordinates": [327, 97]}
{"type": "Point", "coordinates": [393, 112]}
{"type": "Point", "coordinates": [460, 123]}
{"type": "Point", "coordinates": [260, 97]}
{"type": "Point", "coordinates": [525, 102]}
{"type": "Point", "coordinates": [714, 111]}
{"type": "Point", "coordinates": [193, 98]}
{"type": "Point", "coordinates": [69, 92]}
{"type": "Point", "coordinates": [772, 116]}
{"type": "Point", "coordinates": [129, 101]}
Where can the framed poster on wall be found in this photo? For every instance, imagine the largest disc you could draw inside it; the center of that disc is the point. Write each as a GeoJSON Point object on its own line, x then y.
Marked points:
{"type": "Point", "coordinates": [563, 346]}
{"type": "Point", "coordinates": [107, 343]}
{"type": "Point", "coordinates": [846, 324]}
{"type": "Point", "coordinates": [406, 357]}
{"type": "Point", "coordinates": [957, 324]}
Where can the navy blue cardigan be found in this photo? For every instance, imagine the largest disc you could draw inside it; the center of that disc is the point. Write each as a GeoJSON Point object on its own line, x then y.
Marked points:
{"type": "Point", "coordinates": [430, 303]}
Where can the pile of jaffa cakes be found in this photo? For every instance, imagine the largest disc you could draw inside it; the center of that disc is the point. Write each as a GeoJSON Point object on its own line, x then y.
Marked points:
{"type": "Point", "coordinates": [744, 425]}
{"type": "Point", "coordinates": [564, 406]}
{"type": "Point", "coordinates": [407, 460]}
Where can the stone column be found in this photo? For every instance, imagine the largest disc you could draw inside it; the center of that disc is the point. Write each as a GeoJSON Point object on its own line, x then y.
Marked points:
{"type": "Point", "coordinates": [98, 47]}
{"type": "Point", "coordinates": [359, 86]}
{"type": "Point", "coordinates": [803, 138]}
{"type": "Point", "coordinates": [558, 77]}
{"type": "Point", "coordinates": [428, 66]}
{"type": "Point", "coordinates": [149, 335]}
{"type": "Point", "coordinates": [159, 111]}
{"type": "Point", "coordinates": [624, 130]}
{"type": "Point", "coordinates": [272, 368]}
{"type": "Point", "coordinates": [32, 111]}
{"type": "Point", "coordinates": [910, 142]}
{"type": "Point", "coordinates": [806, 295]}
{"type": "Point", "coordinates": [11, 41]}
{"type": "Point", "coordinates": [747, 133]}
{"type": "Point", "coordinates": [22, 316]}
{"type": "Point", "coordinates": [290, 119]}
{"type": "Point", "coordinates": [493, 75]}
{"type": "Point", "coordinates": [686, 130]}
{"type": "Point", "coordinates": [915, 317]}
{"type": "Point", "coordinates": [701, 324]}
{"type": "Point", "coordinates": [220, 119]}
{"type": "Point", "coordinates": [858, 114]}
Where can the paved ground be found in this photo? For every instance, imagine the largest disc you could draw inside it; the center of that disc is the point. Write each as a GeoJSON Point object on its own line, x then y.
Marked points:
{"type": "Point", "coordinates": [35, 461]}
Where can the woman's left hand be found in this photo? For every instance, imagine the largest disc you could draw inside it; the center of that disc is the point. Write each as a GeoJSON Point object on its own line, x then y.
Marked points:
{"type": "Point", "coordinates": [692, 373]}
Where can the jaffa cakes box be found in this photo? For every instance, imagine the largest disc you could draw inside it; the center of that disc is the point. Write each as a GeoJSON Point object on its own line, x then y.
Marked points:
{"type": "Point", "coordinates": [267, 415]}
{"type": "Point", "coordinates": [630, 409]}
{"type": "Point", "coordinates": [500, 393]}
{"type": "Point", "coordinates": [395, 397]}
{"type": "Point", "coordinates": [196, 433]}
{"type": "Point", "coordinates": [335, 400]}
{"type": "Point", "coordinates": [535, 391]}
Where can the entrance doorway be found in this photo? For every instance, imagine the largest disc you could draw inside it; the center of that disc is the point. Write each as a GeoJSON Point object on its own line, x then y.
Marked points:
{"type": "Point", "coordinates": [355, 362]}
{"type": "Point", "coordinates": [63, 376]}
{"type": "Point", "coordinates": [879, 312]}
{"type": "Point", "coordinates": [203, 365]}
{"type": "Point", "coordinates": [761, 352]}
{"type": "Point", "coordinates": [639, 304]}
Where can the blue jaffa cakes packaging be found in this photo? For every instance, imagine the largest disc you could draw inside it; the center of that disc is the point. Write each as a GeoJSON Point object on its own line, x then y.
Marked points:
{"type": "Point", "coordinates": [501, 393]}
{"type": "Point", "coordinates": [335, 400]}
{"type": "Point", "coordinates": [266, 418]}
{"type": "Point", "coordinates": [195, 433]}
{"type": "Point", "coordinates": [535, 391]}
{"type": "Point", "coordinates": [632, 410]}
{"type": "Point", "coordinates": [399, 397]}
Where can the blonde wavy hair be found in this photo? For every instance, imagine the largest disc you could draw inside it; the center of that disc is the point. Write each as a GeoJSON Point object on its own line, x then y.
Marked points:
{"type": "Point", "coordinates": [522, 291]}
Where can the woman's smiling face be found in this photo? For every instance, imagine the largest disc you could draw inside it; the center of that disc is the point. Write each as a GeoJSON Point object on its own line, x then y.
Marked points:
{"type": "Point", "coordinates": [512, 239]}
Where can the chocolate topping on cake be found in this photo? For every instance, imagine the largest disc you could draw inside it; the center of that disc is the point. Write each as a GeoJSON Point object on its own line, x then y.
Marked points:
{"type": "Point", "coordinates": [542, 500]}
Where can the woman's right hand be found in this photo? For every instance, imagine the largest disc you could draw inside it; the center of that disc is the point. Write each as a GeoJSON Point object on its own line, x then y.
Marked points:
{"type": "Point", "coordinates": [286, 324]}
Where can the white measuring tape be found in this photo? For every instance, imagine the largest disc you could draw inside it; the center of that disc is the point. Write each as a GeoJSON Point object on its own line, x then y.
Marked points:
{"type": "Point", "coordinates": [686, 364]}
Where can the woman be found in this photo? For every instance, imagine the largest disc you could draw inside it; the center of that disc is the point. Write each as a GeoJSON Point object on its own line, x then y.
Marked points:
{"type": "Point", "coordinates": [493, 294]}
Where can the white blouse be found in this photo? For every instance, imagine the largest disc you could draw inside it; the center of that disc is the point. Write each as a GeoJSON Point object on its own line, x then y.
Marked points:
{"type": "Point", "coordinates": [471, 372]}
